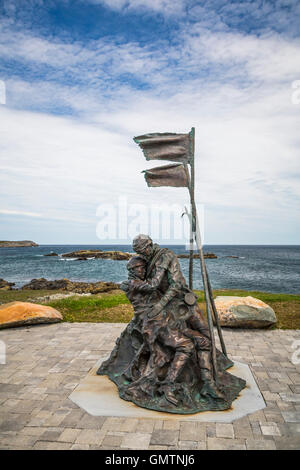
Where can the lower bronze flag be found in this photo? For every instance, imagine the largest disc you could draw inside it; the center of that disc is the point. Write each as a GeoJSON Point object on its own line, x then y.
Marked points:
{"type": "Point", "coordinates": [167, 175]}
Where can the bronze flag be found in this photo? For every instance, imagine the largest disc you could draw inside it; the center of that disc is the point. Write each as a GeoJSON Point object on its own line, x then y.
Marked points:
{"type": "Point", "coordinates": [166, 146]}
{"type": "Point", "coordinates": [167, 175]}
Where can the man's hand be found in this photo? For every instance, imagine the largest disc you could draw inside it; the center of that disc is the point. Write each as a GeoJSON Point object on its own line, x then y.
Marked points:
{"type": "Point", "coordinates": [202, 343]}
{"type": "Point", "coordinates": [154, 310]}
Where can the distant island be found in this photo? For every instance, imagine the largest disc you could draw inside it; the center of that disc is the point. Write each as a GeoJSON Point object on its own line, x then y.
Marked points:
{"type": "Point", "coordinates": [6, 244]}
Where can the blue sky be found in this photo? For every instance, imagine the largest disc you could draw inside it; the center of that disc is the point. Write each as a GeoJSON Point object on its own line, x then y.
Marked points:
{"type": "Point", "coordinates": [83, 77]}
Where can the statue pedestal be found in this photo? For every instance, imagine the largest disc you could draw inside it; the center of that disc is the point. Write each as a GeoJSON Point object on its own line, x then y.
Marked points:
{"type": "Point", "coordinates": [99, 396]}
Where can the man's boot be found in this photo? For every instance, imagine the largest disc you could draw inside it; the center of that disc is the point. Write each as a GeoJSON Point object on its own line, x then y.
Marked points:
{"type": "Point", "coordinates": [209, 386]}
{"type": "Point", "coordinates": [176, 367]}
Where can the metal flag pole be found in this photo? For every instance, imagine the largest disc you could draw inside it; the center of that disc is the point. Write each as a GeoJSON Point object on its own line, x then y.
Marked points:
{"type": "Point", "coordinates": [192, 192]}
{"type": "Point", "coordinates": [212, 303]}
{"type": "Point", "coordinates": [191, 179]}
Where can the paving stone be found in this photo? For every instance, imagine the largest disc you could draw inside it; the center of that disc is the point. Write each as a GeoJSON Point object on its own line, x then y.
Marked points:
{"type": "Point", "coordinates": [51, 434]}
{"type": "Point", "coordinates": [291, 416]}
{"type": "Point", "coordinates": [15, 422]}
{"type": "Point", "coordinates": [210, 430]}
{"type": "Point", "coordinates": [157, 447]}
{"type": "Point", "coordinates": [270, 429]}
{"type": "Point", "coordinates": [173, 425]}
{"type": "Point", "coordinates": [136, 441]}
{"type": "Point", "coordinates": [91, 422]}
{"type": "Point", "coordinates": [80, 447]}
{"type": "Point", "coordinates": [287, 443]}
{"type": "Point", "coordinates": [224, 430]}
{"type": "Point", "coordinates": [188, 445]}
{"type": "Point", "coordinates": [44, 445]}
{"type": "Point", "coordinates": [291, 397]}
{"type": "Point", "coordinates": [89, 436]}
{"type": "Point", "coordinates": [112, 423]}
{"type": "Point", "coordinates": [32, 431]}
{"type": "Point", "coordinates": [72, 420]}
{"type": "Point", "coordinates": [261, 444]}
{"type": "Point", "coordinates": [214, 443]}
{"type": "Point", "coordinates": [256, 430]}
{"type": "Point", "coordinates": [145, 426]}
{"type": "Point", "coordinates": [293, 428]}
{"type": "Point", "coordinates": [69, 435]}
{"type": "Point", "coordinates": [158, 425]}
{"type": "Point", "coordinates": [257, 416]}
{"type": "Point", "coordinates": [202, 445]}
{"type": "Point", "coordinates": [111, 441]}
{"type": "Point", "coordinates": [164, 437]}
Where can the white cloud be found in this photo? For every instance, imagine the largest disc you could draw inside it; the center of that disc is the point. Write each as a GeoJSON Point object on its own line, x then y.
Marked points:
{"type": "Point", "coordinates": [234, 88]}
{"type": "Point", "coordinates": [22, 213]}
{"type": "Point", "coordinates": [166, 7]}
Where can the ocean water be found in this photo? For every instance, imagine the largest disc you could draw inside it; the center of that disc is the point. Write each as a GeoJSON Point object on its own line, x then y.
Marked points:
{"type": "Point", "coordinates": [265, 268]}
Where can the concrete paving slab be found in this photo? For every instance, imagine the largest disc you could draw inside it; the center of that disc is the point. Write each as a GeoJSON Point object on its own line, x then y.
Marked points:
{"type": "Point", "coordinates": [98, 396]}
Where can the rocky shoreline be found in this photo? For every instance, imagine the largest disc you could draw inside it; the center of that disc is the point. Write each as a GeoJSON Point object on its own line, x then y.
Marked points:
{"type": "Point", "coordinates": [82, 255]}
{"type": "Point", "coordinates": [85, 254]}
{"type": "Point", "coordinates": [64, 285]}
{"type": "Point", "coordinates": [197, 256]}
{"type": "Point", "coordinates": [82, 287]}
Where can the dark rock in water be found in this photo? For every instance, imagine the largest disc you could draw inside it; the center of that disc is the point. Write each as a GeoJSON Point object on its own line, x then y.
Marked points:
{"type": "Point", "coordinates": [197, 256]}
{"type": "Point", "coordinates": [115, 255]}
{"type": "Point", "coordinates": [51, 254]}
{"type": "Point", "coordinates": [5, 285]}
{"type": "Point", "coordinates": [231, 256]}
{"type": "Point", "coordinates": [5, 243]}
{"type": "Point", "coordinates": [70, 286]}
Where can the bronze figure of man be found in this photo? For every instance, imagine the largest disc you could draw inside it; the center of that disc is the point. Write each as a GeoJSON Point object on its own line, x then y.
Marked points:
{"type": "Point", "coordinates": [162, 360]}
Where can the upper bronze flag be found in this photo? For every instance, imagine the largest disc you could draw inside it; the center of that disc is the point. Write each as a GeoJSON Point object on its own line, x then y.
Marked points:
{"type": "Point", "coordinates": [167, 175]}
{"type": "Point", "coordinates": [166, 146]}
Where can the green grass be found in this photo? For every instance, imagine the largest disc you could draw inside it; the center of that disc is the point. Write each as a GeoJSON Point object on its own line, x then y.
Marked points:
{"type": "Point", "coordinates": [114, 307]}
{"type": "Point", "coordinates": [264, 296]}
{"type": "Point", "coordinates": [23, 295]}
{"type": "Point", "coordinates": [96, 308]}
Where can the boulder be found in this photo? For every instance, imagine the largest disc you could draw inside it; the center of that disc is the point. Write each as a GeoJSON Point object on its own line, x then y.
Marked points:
{"type": "Point", "coordinates": [26, 313]}
{"type": "Point", "coordinates": [244, 312]}
{"type": "Point", "coordinates": [5, 285]}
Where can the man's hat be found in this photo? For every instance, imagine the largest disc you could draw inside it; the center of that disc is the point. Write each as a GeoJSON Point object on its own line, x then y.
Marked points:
{"type": "Point", "coordinates": [141, 241]}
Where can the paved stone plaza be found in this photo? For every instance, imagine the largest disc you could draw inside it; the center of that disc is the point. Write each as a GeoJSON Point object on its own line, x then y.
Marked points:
{"type": "Point", "coordinates": [45, 363]}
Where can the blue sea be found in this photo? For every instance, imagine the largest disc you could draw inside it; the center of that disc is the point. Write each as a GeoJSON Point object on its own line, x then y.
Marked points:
{"type": "Point", "coordinates": [265, 268]}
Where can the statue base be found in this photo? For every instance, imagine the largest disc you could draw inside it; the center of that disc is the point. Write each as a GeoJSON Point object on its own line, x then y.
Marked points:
{"type": "Point", "coordinates": [99, 396]}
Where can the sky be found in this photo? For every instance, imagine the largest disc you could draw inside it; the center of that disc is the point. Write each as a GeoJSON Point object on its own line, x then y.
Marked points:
{"type": "Point", "coordinates": [79, 79]}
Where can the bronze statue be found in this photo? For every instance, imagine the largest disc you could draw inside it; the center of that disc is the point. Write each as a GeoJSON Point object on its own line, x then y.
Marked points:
{"type": "Point", "coordinates": [163, 359]}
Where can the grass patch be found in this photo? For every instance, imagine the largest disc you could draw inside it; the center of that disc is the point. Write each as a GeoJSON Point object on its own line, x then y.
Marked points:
{"type": "Point", "coordinates": [24, 295]}
{"type": "Point", "coordinates": [114, 307]}
{"type": "Point", "coordinates": [108, 307]}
